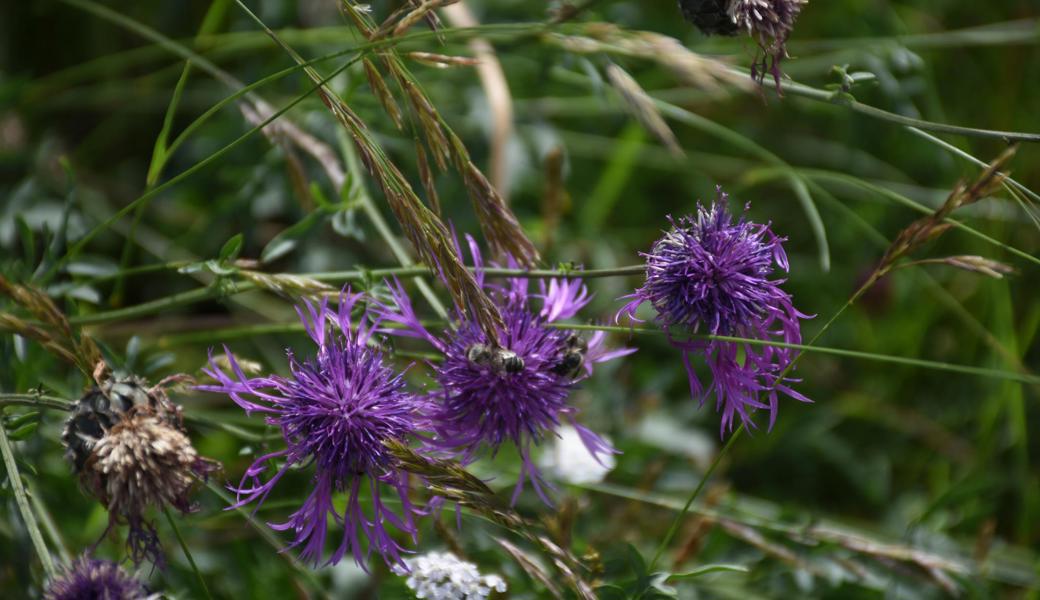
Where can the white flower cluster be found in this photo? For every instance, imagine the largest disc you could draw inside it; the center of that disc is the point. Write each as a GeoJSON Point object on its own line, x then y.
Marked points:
{"type": "Point", "coordinates": [442, 576]}
{"type": "Point", "coordinates": [570, 460]}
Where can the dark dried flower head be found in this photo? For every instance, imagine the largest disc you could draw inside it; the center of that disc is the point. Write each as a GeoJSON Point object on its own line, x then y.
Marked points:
{"type": "Point", "coordinates": [128, 446]}
{"type": "Point", "coordinates": [336, 412]}
{"type": "Point", "coordinates": [92, 579]}
{"type": "Point", "coordinates": [770, 23]}
{"type": "Point", "coordinates": [102, 407]}
{"type": "Point", "coordinates": [709, 274]}
{"type": "Point", "coordinates": [710, 16]}
{"type": "Point", "coordinates": [514, 392]}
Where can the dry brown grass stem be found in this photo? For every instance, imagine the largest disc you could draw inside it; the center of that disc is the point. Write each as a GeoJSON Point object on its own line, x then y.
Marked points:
{"type": "Point", "coordinates": [929, 228]}
{"type": "Point", "coordinates": [500, 227]}
{"type": "Point", "coordinates": [709, 74]}
{"type": "Point", "coordinates": [642, 107]}
{"type": "Point", "coordinates": [53, 330]}
{"type": "Point", "coordinates": [496, 88]}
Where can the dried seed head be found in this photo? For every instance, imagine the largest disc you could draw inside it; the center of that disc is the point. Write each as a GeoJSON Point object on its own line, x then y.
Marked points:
{"type": "Point", "coordinates": [979, 264]}
{"type": "Point", "coordinates": [142, 461]}
{"type": "Point", "coordinates": [127, 444]}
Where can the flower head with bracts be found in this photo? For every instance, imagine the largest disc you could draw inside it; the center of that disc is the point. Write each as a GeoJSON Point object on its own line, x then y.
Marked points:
{"type": "Point", "coordinates": [90, 578]}
{"type": "Point", "coordinates": [514, 389]}
{"type": "Point", "coordinates": [335, 411]}
{"type": "Point", "coordinates": [127, 444]}
{"type": "Point", "coordinates": [711, 275]}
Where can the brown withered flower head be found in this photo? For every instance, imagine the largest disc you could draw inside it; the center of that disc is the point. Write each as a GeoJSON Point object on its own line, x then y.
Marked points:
{"type": "Point", "coordinates": [127, 444]}
{"type": "Point", "coordinates": [768, 22]}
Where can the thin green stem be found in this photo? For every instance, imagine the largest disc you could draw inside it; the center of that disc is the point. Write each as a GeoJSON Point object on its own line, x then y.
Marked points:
{"type": "Point", "coordinates": [22, 500]}
{"type": "Point", "coordinates": [210, 293]}
{"type": "Point", "coordinates": [736, 434]}
{"type": "Point", "coordinates": [805, 91]}
{"type": "Point", "coordinates": [817, 174]}
{"type": "Point", "coordinates": [49, 526]}
{"type": "Point", "coordinates": [268, 536]}
{"type": "Point", "coordinates": [187, 553]}
{"type": "Point", "coordinates": [275, 328]}
{"type": "Point", "coordinates": [35, 400]}
{"type": "Point", "coordinates": [90, 235]}
{"type": "Point", "coordinates": [677, 521]}
{"type": "Point", "coordinates": [811, 347]}
{"type": "Point", "coordinates": [737, 140]}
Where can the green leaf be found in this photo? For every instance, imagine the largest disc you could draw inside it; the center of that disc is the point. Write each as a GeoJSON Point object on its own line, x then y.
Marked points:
{"type": "Point", "coordinates": [92, 266]}
{"type": "Point", "coordinates": [319, 196]}
{"type": "Point", "coordinates": [611, 592]}
{"type": "Point", "coordinates": [231, 249]}
{"type": "Point", "coordinates": [217, 268]}
{"type": "Point", "coordinates": [706, 569]}
{"type": "Point", "coordinates": [133, 350]}
{"type": "Point", "coordinates": [636, 561]}
{"type": "Point", "coordinates": [287, 240]}
{"type": "Point", "coordinates": [24, 431]}
{"type": "Point", "coordinates": [28, 240]}
{"type": "Point", "coordinates": [16, 422]}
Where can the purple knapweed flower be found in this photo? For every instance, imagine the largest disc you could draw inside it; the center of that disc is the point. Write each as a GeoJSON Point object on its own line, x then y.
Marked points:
{"type": "Point", "coordinates": [711, 275]}
{"type": "Point", "coordinates": [335, 411]}
{"type": "Point", "coordinates": [515, 390]}
{"type": "Point", "coordinates": [769, 23]}
{"type": "Point", "coordinates": [89, 578]}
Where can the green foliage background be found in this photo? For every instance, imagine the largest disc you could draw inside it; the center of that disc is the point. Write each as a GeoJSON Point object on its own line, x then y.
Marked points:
{"type": "Point", "coordinates": [899, 481]}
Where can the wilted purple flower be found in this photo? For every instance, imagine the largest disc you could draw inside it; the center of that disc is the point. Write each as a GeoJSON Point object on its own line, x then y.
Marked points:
{"type": "Point", "coordinates": [335, 411]}
{"type": "Point", "coordinates": [709, 274]}
{"type": "Point", "coordinates": [769, 22]}
{"type": "Point", "coordinates": [92, 579]}
{"type": "Point", "coordinates": [517, 392]}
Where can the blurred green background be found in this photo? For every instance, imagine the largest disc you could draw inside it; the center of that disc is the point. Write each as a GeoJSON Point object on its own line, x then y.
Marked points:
{"type": "Point", "coordinates": [898, 482]}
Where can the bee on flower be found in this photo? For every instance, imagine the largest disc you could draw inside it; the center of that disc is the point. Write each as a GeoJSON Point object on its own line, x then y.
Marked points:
{"type": "Point", "coordinates": [515, 389]}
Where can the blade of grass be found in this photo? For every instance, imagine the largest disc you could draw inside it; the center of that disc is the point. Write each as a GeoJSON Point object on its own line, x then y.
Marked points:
{"type": "Point", "coordinates": [160, 149]}
{"type": "Point", "coordinates": [187, 553]}
{"type": "Point", "coordinates": [22, 501]}
{"type": "Point", "coordinates": [801, 192]}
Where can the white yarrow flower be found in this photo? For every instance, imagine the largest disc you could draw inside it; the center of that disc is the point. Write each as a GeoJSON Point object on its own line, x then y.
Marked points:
{"type": "Point", "coordinates": [442, 576]}
{"type": "Point", "coordinates": [570, 460]}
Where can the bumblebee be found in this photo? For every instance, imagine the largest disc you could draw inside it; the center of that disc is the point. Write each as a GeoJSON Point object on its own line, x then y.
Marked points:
{"type": "Point", "coordinates": [500, 360]}
{"type": "Point", "coordinates": [710, 16]}
{"type": "Point", "coordinates": [572, 357]}
{"type": "Point", "coordinates": [101, 408]}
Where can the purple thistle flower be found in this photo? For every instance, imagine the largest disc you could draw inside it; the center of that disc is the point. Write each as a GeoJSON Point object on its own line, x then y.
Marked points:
{"type": "Point", "coordinates": [92, 579]}
{"type": "Point", "coordinates": [335, 411]}
{"type": "Point", "coordinates": [491, 395]}
{"type": "Point", "coordinates": [709, 274]}
{"type": "Point", "coordinates": [770, 23]}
